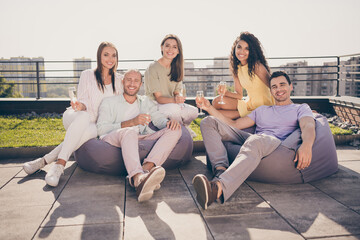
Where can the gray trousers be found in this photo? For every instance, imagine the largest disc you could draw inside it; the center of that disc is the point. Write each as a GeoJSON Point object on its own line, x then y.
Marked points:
{"type": "Point", "coordinates": [254, 148]}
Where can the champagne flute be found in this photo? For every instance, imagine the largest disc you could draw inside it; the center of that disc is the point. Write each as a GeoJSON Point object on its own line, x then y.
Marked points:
{"type": "Point", "coordinates": [182, 93]}
{"type": "Point", "coordinates": [221, 91]}
{"type": "Point", "coordinates": [148, 120]}
{"type": "Point", "coordinates": [200, 99]}
{"type": "Point", "coordinates": [72, 94]}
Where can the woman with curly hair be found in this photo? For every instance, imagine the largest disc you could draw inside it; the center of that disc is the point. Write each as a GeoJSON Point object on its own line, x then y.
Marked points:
{"type": "Point", "coordinates": [250, 70]}
{"type": "Point", "coordinates": [163, 83]}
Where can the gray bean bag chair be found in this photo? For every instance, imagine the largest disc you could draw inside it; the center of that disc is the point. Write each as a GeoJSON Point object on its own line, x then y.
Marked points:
{"type": "Point", "coordinates": [278, 167]}
{"type": "Point", "coordinates": [100, 157]}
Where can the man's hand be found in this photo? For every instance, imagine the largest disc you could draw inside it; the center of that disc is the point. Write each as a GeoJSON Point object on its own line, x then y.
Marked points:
{"type": "Point", "coordinates": [203, 103]}
{"type": "Point", "coordinates": [142, 119]}
{"type": "Point", "coordinates": [173, 125]}
{"type": "Point", "coordinates": [304, 153]}
{"type": "Point", "coordinates": [77, 106]}
{"type": "Point", "coordinates": [303, 156]}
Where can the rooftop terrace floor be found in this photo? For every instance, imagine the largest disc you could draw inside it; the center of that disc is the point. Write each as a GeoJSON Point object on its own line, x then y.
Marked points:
{"type": "Point", "coordinates": [94, 206]}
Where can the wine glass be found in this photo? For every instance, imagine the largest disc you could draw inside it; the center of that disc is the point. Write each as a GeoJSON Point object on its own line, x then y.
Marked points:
{"type": "Point", "coordinates": [221, 91]}
{"type": "Point", "coordinates": [72, 94]}
{"type": "Point", "coordinates": [183, 91]}
{"type": "Point", "coordinates": [200, 100]}
{"type": "Point", "coordinates": [148, 120]}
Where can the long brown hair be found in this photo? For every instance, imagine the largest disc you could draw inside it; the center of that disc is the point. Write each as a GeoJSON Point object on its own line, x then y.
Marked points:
{"type": "Point", "coordinates": [177, 64]}
{"type": "Point", "coordinates": [256, 54]}
{"type": "Point", "coordinates": [99, 69]}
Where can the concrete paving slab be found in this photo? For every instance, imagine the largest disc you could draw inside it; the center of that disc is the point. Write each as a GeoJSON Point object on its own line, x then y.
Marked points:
{"type": "Point", "coordinates": [6, 174]}
{"type": "Point", "coordinates": [168, 219]}
{"type": "Point", "coordinates": [197, 165]}
{"type": "Point", "coordinates": [31, 191]}
{"type": "Point", "coordinates": [21, 222]}
{"type": "Point", "coordinates": [88, 232]}
{"type": "Point", "coordinates": [341, 238]}
{"type": "Point", "coordinates": [82, 178]}
{"type": "Point", "coordinates": [173, 186]}
{"type": "Point", "coordinates": [344, 186]}
{"type": "Point", "coordinates": [85, 213]}
{"type": "Point", "coordinates": [16, 162]}
{"type": "Point", "coordinates": [350, 154]}
{"type": "Point", "coordinates": [170, 214]}
{"type": "Point", "coordinates": [353, 166]}
{"type": "Point", "coordinates": [251, 226]}
{"type": "Point", "coordinates": [89, 198]}
{"type": "Point", "coordinates": [243, 201]}
{"type": "Point", "coordinates": [310, 211]}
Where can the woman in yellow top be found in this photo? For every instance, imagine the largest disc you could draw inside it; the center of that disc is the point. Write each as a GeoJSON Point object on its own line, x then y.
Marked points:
{"type": "Point", "coordinates": [250, 71]}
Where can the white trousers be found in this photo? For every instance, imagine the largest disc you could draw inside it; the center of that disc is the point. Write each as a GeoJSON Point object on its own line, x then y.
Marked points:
{"type": "Point", "coordinates": [128, 140]}
{"type": "Point", "coordinates": [182, 113]}
{"type": "Point", "coordinates": [79, 129]}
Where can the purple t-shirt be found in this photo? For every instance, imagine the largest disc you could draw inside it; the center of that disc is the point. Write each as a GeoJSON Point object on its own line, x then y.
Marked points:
{"type": "Point", "coordinates": [279, 121]}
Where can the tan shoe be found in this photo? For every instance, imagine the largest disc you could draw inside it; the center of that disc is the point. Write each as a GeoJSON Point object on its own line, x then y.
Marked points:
{"type": "Point", "coordinates": [149, 181]}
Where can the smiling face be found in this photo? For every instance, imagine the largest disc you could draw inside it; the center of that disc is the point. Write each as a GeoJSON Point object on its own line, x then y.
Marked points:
{"type": "Point", "coordinates": [281, 90]}
{"type": "Point", "coordinates": [242, 51]}
{"type": "Point", "coordinates": [108, 58]}
{"type": "Point", "coordinates": [170, 49]}
{"type": "Point", "coordinates": [132, 83]}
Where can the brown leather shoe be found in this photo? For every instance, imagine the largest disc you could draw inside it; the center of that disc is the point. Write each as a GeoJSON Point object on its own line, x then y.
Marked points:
{"type": "Point", "coordinates": [146, 188]}
{"type": "Point", "coordinates": [206, 191]}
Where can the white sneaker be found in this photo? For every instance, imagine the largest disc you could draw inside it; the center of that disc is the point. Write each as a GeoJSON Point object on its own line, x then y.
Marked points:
{"type": "Point", "coordinates": [33, 166]}
{"type": "Point", "coordinates": [53, 176]}
{"type": "Point", "coordinates": [192, 133]}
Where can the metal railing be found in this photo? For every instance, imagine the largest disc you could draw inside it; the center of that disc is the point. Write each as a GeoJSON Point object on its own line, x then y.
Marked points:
{"type": "Point", "coordinates": [311, 76]}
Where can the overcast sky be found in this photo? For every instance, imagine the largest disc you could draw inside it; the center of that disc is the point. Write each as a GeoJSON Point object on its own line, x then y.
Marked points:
{"type": "Point", "coordinates": [67, 29]}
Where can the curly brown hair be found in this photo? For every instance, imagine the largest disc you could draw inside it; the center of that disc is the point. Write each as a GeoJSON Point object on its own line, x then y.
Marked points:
{"type": "Point", "coordinates": [256, 54]}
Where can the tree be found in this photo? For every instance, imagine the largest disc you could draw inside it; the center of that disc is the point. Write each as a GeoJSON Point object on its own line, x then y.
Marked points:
{"type": "Point", "coordinates": [7, 89]}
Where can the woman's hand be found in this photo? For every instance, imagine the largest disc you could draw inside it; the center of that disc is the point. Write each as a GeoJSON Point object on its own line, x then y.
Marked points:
{"type": "Point", "coordinates": [77, 106]}
{"type": "Point", "coordinates": [179, 99]}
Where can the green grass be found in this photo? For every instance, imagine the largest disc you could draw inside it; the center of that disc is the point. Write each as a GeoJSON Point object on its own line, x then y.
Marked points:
{"type": "Point", "coordinates": [29, 132]}
{"type": "Point", "coordinates": [195, 126]}
{"type": "Point", "coordinates": [339, 131]}
{"type": "Point", "coordinates": [41, 131]}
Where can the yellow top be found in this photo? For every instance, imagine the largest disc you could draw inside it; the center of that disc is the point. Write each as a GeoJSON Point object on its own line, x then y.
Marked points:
{"type": "Point", "coordinates": [258, 93]}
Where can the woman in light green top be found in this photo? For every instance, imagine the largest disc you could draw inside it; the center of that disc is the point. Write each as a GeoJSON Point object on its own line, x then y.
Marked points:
{"type": "Point", "coordinates": [163, 83]}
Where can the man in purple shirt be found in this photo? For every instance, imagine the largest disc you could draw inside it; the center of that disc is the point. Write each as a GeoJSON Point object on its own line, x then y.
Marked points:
{"type": "Point", "coordinates": [273, 125]}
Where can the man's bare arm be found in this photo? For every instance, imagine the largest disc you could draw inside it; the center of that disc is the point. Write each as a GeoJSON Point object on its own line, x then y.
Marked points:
{"type": "Point", "coordinates": [304, 153]}
{"type": "Point", "coordinates": [239, 123]}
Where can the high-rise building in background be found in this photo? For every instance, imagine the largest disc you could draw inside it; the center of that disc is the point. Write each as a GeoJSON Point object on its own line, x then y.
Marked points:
{"type": "Point", "coordinates": [311, 80]}
{"type": "Point", "coordinates": [206, 78]}
{"type": "Point", "coordinates": [80, 64]}
{"type": "Point", "coordinates": [25, 71]}
{"type": "Point", "coordinates": [350, 80]}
